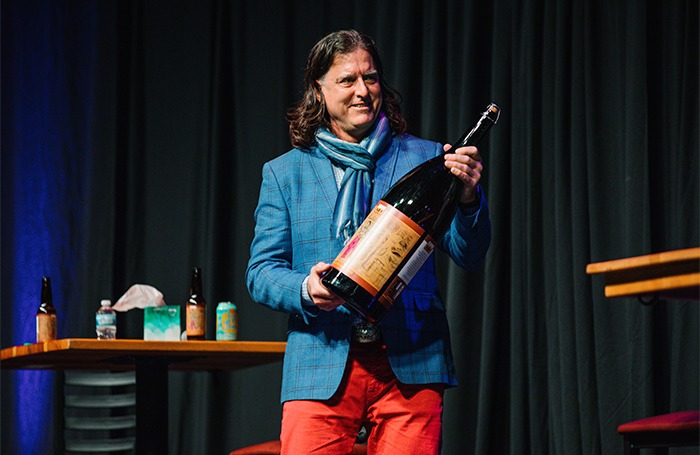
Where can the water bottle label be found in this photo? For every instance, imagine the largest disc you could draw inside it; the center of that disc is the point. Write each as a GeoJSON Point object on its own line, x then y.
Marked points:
{"type": "Point", "coordinates": [102, 320]}
{"type": "Point", "coordinates": [379, 247]}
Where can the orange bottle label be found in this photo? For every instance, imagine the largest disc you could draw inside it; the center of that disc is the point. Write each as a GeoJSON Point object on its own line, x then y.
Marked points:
{"type": "Point", "coordinates": [378, 248]}
{"type": "Point", "coordinates": [46, 327]}
{"type": "Point", "coordinates": [195, 319]}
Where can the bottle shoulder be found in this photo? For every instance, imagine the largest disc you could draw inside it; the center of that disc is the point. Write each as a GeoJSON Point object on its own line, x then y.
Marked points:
{"type": "Point", "coordinates": [46, 309]}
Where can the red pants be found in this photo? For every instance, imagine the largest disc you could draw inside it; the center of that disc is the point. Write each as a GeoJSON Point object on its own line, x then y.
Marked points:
{"type": "Point", "coordinates": [402, 419]}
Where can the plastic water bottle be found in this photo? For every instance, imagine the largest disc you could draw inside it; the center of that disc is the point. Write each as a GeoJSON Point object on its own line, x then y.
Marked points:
{"type": "Point", "coordinates": [106, 321]}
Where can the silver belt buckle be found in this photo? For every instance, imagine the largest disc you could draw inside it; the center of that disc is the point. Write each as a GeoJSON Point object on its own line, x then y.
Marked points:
{"type": "Point", "coordinates": [365, 332]}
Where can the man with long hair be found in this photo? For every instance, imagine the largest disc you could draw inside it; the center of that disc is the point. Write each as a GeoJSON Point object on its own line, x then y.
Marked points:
{"type": "Point", "coordinates": [342, 372]}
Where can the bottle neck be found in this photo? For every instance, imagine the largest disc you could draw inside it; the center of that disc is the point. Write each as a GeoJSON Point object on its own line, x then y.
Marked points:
{"type": "Point", "coordinates": [196, 286]}
{"type": "Point", "coordinates": [196, 292]}
{"type": "Point", "coordinates": [472, 137]}
{"type": "Point", "coordinates": [46, 296]}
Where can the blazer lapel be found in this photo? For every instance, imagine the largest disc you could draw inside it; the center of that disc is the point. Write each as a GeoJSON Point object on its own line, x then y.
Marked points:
{"type": "Point", "coordinates": [389, 169]}
{"type": "Point", "coordinates": [323, 170]}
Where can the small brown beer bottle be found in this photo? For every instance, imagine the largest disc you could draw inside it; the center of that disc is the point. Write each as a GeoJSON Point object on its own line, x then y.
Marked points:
{"type": "Point", "coordinates": [46, 325]}
{"type": "Point", "coordinates": [195, 313]}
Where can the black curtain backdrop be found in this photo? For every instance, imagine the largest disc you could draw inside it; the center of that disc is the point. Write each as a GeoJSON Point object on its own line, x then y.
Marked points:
{"type": "Point", "coordinates": [133, 136]}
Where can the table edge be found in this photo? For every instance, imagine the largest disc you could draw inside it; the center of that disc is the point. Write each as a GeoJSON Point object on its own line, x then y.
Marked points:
{"type": "Point", "coordinates": [649, 260]}
{"type": "Point", "coordinates": [147, 347]}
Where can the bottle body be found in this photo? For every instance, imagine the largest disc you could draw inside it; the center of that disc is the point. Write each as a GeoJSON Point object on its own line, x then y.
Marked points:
{"type": "Point", "coordinates": [46, 327]}
{"type": "Point", "coordinates": [195, 309]}
{"type": "Point", "coordinates": [394, 241]}
{"type": "Point", "coordinates": [46, 319]}
{"type": "Point", "coordinates": [106, 321]}
{"type": "Point", "coordinates": [400, 233]}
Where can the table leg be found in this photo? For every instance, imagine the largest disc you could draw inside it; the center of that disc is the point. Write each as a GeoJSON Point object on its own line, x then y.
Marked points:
{"type": "Point", "coordinates": [151, 406]}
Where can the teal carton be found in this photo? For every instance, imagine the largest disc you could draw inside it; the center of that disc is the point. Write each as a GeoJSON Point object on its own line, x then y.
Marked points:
{"type": "Point", "coordinates": [162, 323]}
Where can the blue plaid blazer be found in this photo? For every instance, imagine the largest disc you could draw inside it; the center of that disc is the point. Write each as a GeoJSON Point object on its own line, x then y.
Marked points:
{"type": "Point", "coordinates": [292, 234]}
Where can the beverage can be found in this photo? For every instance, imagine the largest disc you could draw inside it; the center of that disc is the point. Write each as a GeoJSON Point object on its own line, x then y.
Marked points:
{"type": "Point", "coordinates": [226, 321]}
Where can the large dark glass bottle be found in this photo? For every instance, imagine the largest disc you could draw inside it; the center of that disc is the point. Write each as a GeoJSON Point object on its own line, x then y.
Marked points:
{"type": "Point", "coordinates": [46, 321]}
{"type": "Point", "coordinates": [401, 232]}
{"type": "Point", "coordinates": [195, 313]}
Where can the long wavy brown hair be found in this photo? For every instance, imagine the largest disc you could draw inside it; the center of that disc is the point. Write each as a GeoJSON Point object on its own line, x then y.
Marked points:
{"type": "Point", "coordinates": [310, 112]}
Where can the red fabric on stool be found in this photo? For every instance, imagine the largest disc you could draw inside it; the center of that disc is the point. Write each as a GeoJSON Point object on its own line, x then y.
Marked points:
{"type": "Point", "coordinates": [676, 421]}
{"type": "Point", "coordinates": [677, 429]}
{"type": "Point", "coordinates": [273, 448]}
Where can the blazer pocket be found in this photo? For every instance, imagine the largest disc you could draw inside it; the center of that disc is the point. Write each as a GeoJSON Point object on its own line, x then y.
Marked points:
{"type": "Point", "coordinates": [426, 302]}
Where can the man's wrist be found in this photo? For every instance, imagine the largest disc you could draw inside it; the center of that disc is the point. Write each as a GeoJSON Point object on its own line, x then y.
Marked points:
{"type": "Point", "coordinates": [305, 296]}
{"type": "Point", "coordinates": [477, 199]}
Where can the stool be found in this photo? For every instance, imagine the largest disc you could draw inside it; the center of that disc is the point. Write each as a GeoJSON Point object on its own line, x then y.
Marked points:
{"type": "Point", "coordinates": [678, 429]}
{"type": "Point", "coordinates": [273, 448]}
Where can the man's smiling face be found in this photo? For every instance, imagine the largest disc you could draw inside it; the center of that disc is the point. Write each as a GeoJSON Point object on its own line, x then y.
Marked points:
{"type": "Point", "coordinates": [352, 94]}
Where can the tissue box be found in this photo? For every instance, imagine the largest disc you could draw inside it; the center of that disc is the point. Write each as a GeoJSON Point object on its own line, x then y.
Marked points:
{"type": "Point", "coordinates": [162, 323]}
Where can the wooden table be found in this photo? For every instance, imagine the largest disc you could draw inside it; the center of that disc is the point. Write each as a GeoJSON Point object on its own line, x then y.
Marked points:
{"type": "Point", "coordinates": [660, 276]}
{"type": "Point", "coordinates": [152, 360]}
